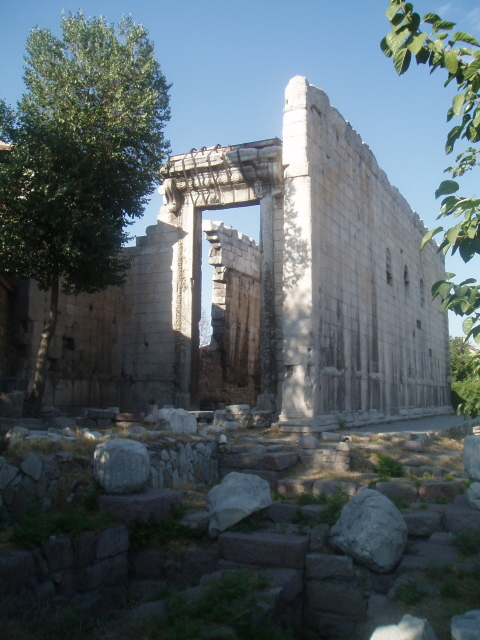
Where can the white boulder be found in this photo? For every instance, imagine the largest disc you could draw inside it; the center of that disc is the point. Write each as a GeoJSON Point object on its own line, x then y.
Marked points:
{"type": "Point", "coordinates": [235, 498]}
{"type": "Point", "coordinates": [409, 628]}
{"type": "Point", "coordinates": [466, 626]}
{"type": "Point", "coordinates": [121, 466]}
{"type": "Point", "coordinates": [179, 421]}
{"type": "Point", "coordinates": [371, 530]}
{"type": "Point", "coordinates": [471, 457]}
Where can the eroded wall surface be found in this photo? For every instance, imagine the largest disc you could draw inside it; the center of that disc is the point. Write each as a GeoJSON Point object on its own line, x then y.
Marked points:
{"type": "Point", "coordinates": [230, 369]}
{"type": "Point", "coordinates": [362, 339]}
{"type": "Point", "coordinates": [112, 348]}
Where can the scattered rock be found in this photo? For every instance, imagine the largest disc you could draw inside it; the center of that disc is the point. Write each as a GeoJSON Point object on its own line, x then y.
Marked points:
{"type": "Point", "coordinates": [308, 441]}
{"type": "Point", "coordinates": [371, 530]}
{"type": "Point", "coordinates": [121, 466]}
{"type": "Point", "coordinates": [413, 445]}
{"type": "Point", "coordinates": [409, 628]}
{"type": "Point", "coordinates": [178, 421]}
{"type": "Point", "coordinates": [17, 433]}
{"type": "Point", "coordinates": [471, 457]}
{"type": "Point", "coordinates": [466, 626]}
{"type": "Point", "coordinates": [31, 465]}
{"type": "Point", "coordinates": [473, 495]}
{"type": "Point", "coordinates": [235, 498]}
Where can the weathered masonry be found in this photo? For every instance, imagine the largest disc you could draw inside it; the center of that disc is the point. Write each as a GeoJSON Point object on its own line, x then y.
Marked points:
{"type": "Point", "coordinates": [345, 331]}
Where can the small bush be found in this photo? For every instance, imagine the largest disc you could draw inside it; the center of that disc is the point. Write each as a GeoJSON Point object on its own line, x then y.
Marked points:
{"type": "Point", "coordinates": [408, 593]}
{"type": "Point", "coordinates": [399, 502]}
{"type": "Point", "coordinates": [468, 542]}
{"type": "Point", "coordinates": [449, 588]}
{"type": "Point", "coordinates": [466, 398]}
{"type": "Point", "coordinates": [441, 500]}
{"type": "Point", "coordinates": [309, 498]}
{"type": "Point", "coordinates": [387, 467]}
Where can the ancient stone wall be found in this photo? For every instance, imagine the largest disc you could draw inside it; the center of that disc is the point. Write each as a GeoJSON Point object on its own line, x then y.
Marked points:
{"type": "Point", "coordinates": [362, 339]}
{"type": "Point", "coordinates": [230, 369]}
{"type": "Point", "coordinates": [112, 348]}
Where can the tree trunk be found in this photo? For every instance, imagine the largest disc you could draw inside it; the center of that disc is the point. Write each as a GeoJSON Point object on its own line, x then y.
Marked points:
{"type": "Point", "coordinates": [35, 399]}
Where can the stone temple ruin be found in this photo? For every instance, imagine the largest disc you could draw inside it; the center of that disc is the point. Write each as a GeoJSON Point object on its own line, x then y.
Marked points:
{"type": "Point", "coordinates": [327, 321]}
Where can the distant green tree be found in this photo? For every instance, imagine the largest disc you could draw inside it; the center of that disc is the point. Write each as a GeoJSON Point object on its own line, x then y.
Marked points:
{"type": "Point", "coordinates": [458, 53]}
{"type": "Point", "coordinates": [465, 370]}
{"type": "Point", "coordinates": [87, 142]}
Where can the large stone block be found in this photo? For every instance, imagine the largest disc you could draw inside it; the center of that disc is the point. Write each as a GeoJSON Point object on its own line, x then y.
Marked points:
{"type": "Point", "coordinates": [121, 466]}
{"type": "Point", "coordinates": [423, 523]}
{"type": "Point", "coordinates": [430, 491]}
{"type": "Point", "coordinates": [461, 517]}
{"type": "Point", "coordinates": [336, 597]}
{"type": "Point", "coordinates": [265, 549]}
{"type": "Point", "coordinates": [235, 498]}
{"type": "Point", "coordinates": [321, 566]}
{"type": "Point", "coordinates": [112, 541]}
{"type": "Point", "coordinates": [371, 530]}
{"type": "Point", "coordinates": [140, 506]}
{"type": "Point", "coordinates": [15, 570]}
{"type": "Point", "coordinates": [59, 554]}
{"type": "Point", "coordinates": [403, 490]}
{"type": "Point", "coordinates": [263, 461]}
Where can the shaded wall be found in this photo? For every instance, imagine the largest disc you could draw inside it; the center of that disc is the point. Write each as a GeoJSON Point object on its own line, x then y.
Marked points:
{"type": "Point", "coordinates": [230, 368]}
{"type": "Point", "coordinates": [111, 348]}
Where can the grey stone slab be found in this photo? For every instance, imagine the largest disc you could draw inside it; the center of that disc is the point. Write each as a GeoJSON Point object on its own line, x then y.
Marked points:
{"type": "Point", "coordinates": [59, 554]}
{"type": "Point", "coordinates": [336, 597]}
{"type": "Point", "coordinates": [32, 465]}
{"type": "Point", "coordinates": [112, 541]}
{"type": "Point", "coordinates": [149, 565]}
{"type": "Point", "coordinates": [140, 506]}
{"type": "Point", "coordinates": [279, 512]}
{"type": "Point", "coordinates": [404, 490]}
{"type": "Point", "coordinates": [279, 461]}
{"type": "Point", "coordinates": [459, 517]}
{"type": "Point", "coordinates": [15, 570]}
{"type": "Point", "coordinates": [95, 575]}
{"type": "Point", "coordinates": [321, 566]}
{"type": "Point", "coordinates": [265, 549]}
{"type": "Point", "coordinates": [423, 523]}
{"type": "Point", "coordinates": [290, 580]}
{"type": "Point", "coordinates": [428, 554]}
{"type": "Point", "coordinates": [466, 626]}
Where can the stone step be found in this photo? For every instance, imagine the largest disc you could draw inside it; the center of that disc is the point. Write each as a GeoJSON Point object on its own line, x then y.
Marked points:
{"type": "Point", "coordinates": [270, 461]}
{"type": "Point", "coordinates": [265, 548]}
{"type": "Point", "coordinates": [153, 503]}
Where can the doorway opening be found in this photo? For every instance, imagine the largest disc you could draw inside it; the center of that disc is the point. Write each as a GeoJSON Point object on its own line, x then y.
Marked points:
{"type": "Point", "coordinates": [229, 368]}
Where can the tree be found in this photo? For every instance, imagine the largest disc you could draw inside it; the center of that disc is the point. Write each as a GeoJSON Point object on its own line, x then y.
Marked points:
{"type": "Point", "coordinates": [87, 142]}
{"type": "Point", "coordinates": [465, 370]}
{"type": "Point", "coordinates": [459, 55]}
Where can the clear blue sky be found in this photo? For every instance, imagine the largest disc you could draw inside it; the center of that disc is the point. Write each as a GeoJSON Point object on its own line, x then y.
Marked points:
{"type": "Point", "coordinates": [229, 63]}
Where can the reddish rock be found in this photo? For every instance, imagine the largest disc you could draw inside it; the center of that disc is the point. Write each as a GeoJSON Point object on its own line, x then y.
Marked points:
{"type": "Point", "coordinates": [429, 491]}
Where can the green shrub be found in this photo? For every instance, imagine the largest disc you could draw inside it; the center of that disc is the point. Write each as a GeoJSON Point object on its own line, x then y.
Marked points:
{"type": "Point", "coordinates": [449, 588]}
{"type": "Point", "coordinates": [441, 500]}
{"type": "Point", "coordinates": [468, 542]}
{"type": "Point", "coordinates": [399, 502]}
{"type": "Point", "coordinates": [408, 593]}
{"type": "Point", "coordinates": [466, 397]}
{"type": "Point", "coordinates": [309, 498]}
{"type": "Point", "coordinates": [387, 467]}
{"type": "Point", "coordinates": [329, 515]}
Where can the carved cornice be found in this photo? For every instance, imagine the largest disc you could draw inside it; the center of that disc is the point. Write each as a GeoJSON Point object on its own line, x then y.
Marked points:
{"type": "Point", "coordinates": [218, 176]}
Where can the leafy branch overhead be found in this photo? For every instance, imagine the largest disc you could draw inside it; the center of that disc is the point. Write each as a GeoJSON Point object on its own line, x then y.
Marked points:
{"type": "Point", "coordinates": [458, 53]}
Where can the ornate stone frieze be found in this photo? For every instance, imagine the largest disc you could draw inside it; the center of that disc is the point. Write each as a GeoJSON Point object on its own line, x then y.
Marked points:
{"type": "Point", "coordinates": [218, 176]}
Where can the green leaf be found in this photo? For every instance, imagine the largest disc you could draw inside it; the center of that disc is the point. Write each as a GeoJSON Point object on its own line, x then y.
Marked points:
{"type": "Point", "coordinates": [401, 60]}
{"type": "Point", "coordinates": [461, 36]}
{"type": "Point", "coordinates": [446, 187]}
{"type": "Point", "coordinates": [423, 55]}
{"type": "Point", "coordinates": [471, 69]}
{"type": "Point", "coordinates": [384, 46]}
{"type": "Point", "coordinates": [452, 137]}
{"type": "Point", "coordinates": [431, 18]}
{"type": "Point", "coordinates": [467, 324]}
{"type": "Point", "coordinates": [442, 24]}
{"type": "Point", "coordinates": [415, 42]}
{"type": "Point", "coordinates": [451, 61]}
{"type": "Point", "coordinates": [429, 235]}
{"type": "Point", "coordinates": [392, 41]}
{"type": "Point", "coordinates": [458, 102]}
{"type": "Point", "coordinates": [391, 12]}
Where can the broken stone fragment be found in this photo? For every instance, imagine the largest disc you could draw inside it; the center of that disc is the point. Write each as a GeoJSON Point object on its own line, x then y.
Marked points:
{"type": "Point", "coordinates": [371, 530]}
{"type": "Point", "coordinates": [409, 628]}
{"type": "Point", "coordinates": [178, 421]}
{"type": "Point", "coordinates": [235, 498]}
{"type": "Point", "coordinates": [466, 626]}
{"type": "Point", "coordinates": [471, 457]}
